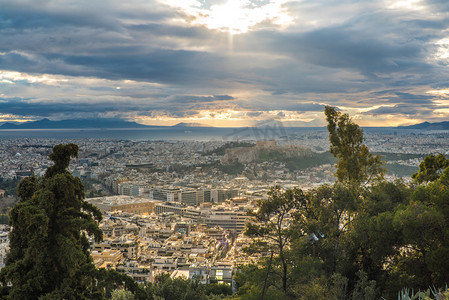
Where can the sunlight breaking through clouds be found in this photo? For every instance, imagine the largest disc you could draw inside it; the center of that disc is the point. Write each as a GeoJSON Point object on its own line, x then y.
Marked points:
{"type": "Point", "coordinates": [11, 77]}
{"type": "Point", "coordinates": [442, 53]}
{"type": "Point", "coordinates": [235, 16]}
{"type": "Point", "coordinates": [405, 4]}
{"type": "Point", "coordinates": [225, 61]}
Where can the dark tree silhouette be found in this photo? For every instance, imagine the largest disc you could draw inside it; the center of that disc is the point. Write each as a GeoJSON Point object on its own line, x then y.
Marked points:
{"type": "Point", "coordinates": [49, 254]}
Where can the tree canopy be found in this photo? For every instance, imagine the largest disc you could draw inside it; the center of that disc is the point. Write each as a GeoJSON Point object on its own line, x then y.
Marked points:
{"type": "Point", "coordinates": [49, 249]}
{"type": "Point", "coordinates": [340, 241]}
{"type": "Point", "coordinates": [354, 241]}
{"type": "Point", "coordinates": [271, 232]}
{"type": "Point", "coordinates": [355, 164]}
{"type": "Point", "coordinates": [431, 168]}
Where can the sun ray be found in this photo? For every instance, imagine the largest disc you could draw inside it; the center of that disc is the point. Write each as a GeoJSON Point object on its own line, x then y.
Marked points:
{"type": "Point", "coordinates": [235, 16]}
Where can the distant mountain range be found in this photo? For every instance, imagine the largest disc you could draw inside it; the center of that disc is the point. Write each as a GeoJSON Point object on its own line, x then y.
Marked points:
{"type": "Point", "coordinates": [182, 124]}
{"type": "Point", "coordinates": [428, 126]}
{"type": "Point", "coordinates": [75, 124]}
{"type": "Point", "coordinates": [119, 123]}
{"type": "Point", "coordinates": [86, 123]}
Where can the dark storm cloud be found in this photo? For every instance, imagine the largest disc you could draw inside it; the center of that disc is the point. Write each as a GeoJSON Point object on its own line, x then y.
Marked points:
{"type": "Point", "coordinates": [164, 66]}
{"type": "Point", "coordinates": [82, 42]}
{"type": "Point", "coordinates": [395, 97]}
{"type": "Point", "coordinates": [254, 113]}
{"type": "Point", "coordinates": [20, 15]}
{"type": "Point", "coordinates": [386, 47]}
{"type": "Point", "coordinates": [403, 109]}
{"type": "Point", "coordinates": [171, 30]}
{"type": "Point", "coordinates": [348, 47]}
{"type": "Point", "coordinates": [413, 98]}
{"type": "Point", "coordinates": [277, 92]}
{"type": "Point", "coordinates": [283, 105]}
{"type": "Point", "coordinates": [307, 107]}
{"type": "Point", "coordinates": [180, 106]}
{"type": "Point", "coordinates": [441, 5]}
{"type": "Point", "coordinates": [199, 99]}
{"type": "Point", "coordinates": [26, 107]}
{"type": "Point", "coordinates": [223, 97]}
{"type": "Point", "coordinates": [359, 55]}
{"type": "Point", "coordinates": [342, 46]}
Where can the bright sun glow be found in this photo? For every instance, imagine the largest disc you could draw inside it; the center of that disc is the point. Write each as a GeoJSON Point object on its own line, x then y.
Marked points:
{"type": "Point", "coordinates": [405, 4]}
{"type": "Point", "coordinates": [442, 54]}
{"type": "Point", "coordinates": [442, 92]}
{"type": "Point", "coordinates": [235, 16]}
{"type": "Point", "coordinates": [12, 77]}
{"type": "Point", "coordinates": [233, 118]}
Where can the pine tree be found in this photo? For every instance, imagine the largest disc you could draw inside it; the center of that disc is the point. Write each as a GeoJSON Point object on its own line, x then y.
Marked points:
{"type": "Point", "coordinates": [270, 228]}
{"type": "Point", "coordinates": [431, 168]}
{"type": "Point", "coordinates": [355, 164]}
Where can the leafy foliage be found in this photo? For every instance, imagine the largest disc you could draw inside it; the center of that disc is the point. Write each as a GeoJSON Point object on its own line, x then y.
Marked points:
{"type": "Point", "coordinates": [222, 149]}
{"type": "Point", "coordinates": [355, 164]}
{"type": "Point", "coordinates": [165, 287]}
{"type": "Point", "coordinates": [400, 170]}
{"type": "Point", "coordinates": [271, 231]}
{"type": "Point", "coordinates": [49, 256]}
{"type": "Point", "coordinates": [234, 168]}
{"type": "Point", "coordinates": [9, 185]}
{"type": "Point", "coordinates": [4, 219]}
{"type": "Point", "coordinates": [431, 168]}
{"type": "Point", "coordinates": [355, 241]}
{"type": "Point", "coordinates": [299, 162]}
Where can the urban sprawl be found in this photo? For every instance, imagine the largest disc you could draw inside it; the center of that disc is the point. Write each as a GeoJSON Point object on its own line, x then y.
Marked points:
{"type": "Point", "coordinates": [180, 207]}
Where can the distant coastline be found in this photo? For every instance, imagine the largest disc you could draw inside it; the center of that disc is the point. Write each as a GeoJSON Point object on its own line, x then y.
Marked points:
{"type": "Point", "coordinates": [112, 124]}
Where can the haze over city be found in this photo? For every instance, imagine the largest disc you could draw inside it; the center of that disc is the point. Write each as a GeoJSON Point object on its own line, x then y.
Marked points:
{"type": "Point", "coordinates": [225, 63]}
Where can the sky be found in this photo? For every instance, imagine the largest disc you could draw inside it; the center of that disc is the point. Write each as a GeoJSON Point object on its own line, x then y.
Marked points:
{"type": "Point", "coordinates": [225, 62]}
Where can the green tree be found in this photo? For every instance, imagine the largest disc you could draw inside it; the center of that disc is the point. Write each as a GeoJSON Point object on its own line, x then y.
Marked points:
{"type": "Point", "coordinates": [122, 295]}
{"type": "Point", "coordinates": [165, 287]}
{"type": "Point", "coordinates": [431, 168]}
{"type": "Point", "coordinates": [353, 240]}
{"type": "Point", "coordinates": [355, 164]}
{"type": "Point", "coordinates": [9, 185]}
{"type": "Point", "coordinates": [272, 233]}
{"type": "Point", "coordinates": [49, 250]}
{"type": "Point", "coordinates": [326, 216]}
{"type": "Point", "coordinates": [423, 224]}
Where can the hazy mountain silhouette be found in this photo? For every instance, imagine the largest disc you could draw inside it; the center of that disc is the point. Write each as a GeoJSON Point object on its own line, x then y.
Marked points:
{"type": "Point", "coordinates": [183, 124]}
{"type": "Point", "coordinates": [75, 124]}
{"type": "Point", "coordinates": [428, 126]}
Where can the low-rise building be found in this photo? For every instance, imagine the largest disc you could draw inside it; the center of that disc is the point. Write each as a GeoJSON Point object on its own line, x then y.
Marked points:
{"type": "Point", "coordinates": [108, 258]}
{"type": "Point", "coordinates": [140, 273]}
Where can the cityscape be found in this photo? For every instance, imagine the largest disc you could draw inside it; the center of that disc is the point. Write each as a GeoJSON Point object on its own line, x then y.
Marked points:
{"type": "Point", "coordinates": [181, 207]}
{"type": "Point", "coordinates": [224, 149]}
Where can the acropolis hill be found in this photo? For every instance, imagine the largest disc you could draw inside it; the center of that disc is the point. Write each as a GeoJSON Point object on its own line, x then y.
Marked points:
{"type": "Point", "coordinates": [251, 154]}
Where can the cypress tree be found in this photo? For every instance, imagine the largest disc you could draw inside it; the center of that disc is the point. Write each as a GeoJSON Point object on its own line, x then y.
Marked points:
{"type": "Point", "coordinates": [49, 251]}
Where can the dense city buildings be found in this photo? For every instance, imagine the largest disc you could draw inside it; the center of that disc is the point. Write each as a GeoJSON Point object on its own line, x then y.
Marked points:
{"type": "Point", "coordinates": [180, 207]}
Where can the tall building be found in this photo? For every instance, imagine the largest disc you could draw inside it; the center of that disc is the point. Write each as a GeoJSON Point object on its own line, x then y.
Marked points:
{"type": "Point", "coordinates": [124, 203]}
{"type": "Point", "coordinates": [220, 195]}
{"type": "Point", "coordinates": [191, 198]}
{"type": "Point", "coordinates": [164, 194]}
{"type": "Point", "coordinates": [231, 219]}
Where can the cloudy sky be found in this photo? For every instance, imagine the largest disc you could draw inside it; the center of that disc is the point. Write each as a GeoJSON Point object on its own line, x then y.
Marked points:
{"type": "Point", "coordinates": [225, 62]}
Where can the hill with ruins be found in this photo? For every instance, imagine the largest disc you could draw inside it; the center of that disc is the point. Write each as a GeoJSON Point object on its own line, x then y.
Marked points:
{"type": "Point", "coordinates": [264, 150]}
